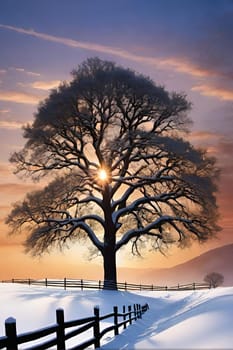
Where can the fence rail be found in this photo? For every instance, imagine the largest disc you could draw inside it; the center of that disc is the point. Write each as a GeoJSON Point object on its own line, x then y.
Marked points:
{"type": "Point", "coordinates": [92, 284]}
{"type": "Point", "coordinates": [11, 340]}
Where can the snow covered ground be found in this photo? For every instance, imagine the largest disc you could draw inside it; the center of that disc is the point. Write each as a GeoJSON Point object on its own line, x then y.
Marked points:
{"type": "Point", "coordinates": [176, 320]}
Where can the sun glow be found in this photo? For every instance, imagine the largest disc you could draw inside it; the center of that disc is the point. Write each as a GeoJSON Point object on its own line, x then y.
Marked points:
{"type": "Point", "coordinates": [102, 174]}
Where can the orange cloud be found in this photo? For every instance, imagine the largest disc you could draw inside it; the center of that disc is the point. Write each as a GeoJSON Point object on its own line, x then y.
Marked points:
{"type": "Point", "coordinates": [4, 211]}
{"type": "Point", "coordinates": [208, 140]}
{"type": "Point", "coordinates": [184, 66]}
{"type": "Point", "coordinates": [203, 136]}
{"type": "Point", "coordinates": [45, 85]}
{"type": "Point", "coordinates": [212, 91]}
{"type": "Point", "coordinates": [223, 149]}
{"type": "Point", "coordinates": [17, 189]}
{"type": "Point", "coordinates": [8, 124]}
{"type": "Point", "coordinates": [3, 208]}
{"type": "Point", "coordinates": [19, 97]}
{"type": "Point", "coordinates": [6, 169]}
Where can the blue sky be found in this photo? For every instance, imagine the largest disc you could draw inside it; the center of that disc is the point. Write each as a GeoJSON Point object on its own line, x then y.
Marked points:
{"type": "Point", "coordinates": [185, 45]}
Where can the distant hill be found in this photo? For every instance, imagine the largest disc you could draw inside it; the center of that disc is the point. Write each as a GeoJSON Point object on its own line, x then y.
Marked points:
{"type": "Point", "coordinates": [215, 260]}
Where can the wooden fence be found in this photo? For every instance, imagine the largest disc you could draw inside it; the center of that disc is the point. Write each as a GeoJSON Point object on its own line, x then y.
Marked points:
{"type": "Point", "coordinates": [11, 340]}
{"type": "Point", "coordinates": [90, 284]}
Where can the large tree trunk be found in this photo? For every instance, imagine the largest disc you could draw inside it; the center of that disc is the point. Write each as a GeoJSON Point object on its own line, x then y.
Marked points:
{"type": "Point", "coordinates": [109, 253]}
{"type": "Point", "coordinates": [110, 274]}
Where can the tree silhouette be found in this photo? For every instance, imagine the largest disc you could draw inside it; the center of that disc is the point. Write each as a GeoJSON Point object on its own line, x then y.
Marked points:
{"type": "Point", "coordinates": [123, 174]}
{"type": "Point", "coordinates": [214, 279]}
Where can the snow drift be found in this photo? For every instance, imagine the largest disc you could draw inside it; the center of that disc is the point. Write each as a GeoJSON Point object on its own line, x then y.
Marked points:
{"type": "Point", "coordinates": [175, 320]}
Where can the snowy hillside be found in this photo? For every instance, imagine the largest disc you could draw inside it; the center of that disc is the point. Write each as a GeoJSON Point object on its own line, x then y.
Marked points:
{"type": "Point", "coordinates": [175, 320]}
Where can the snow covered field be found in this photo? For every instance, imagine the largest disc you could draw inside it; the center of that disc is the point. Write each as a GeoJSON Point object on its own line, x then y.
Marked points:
{"type": "Point", "coordinates": [176, 320]}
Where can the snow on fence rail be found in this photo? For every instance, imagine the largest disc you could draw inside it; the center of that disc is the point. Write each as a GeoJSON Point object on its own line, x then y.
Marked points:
{"type": "Point", "coordinates": [11, 340]}
{"type": "Point", "coordinates": [91, 284]}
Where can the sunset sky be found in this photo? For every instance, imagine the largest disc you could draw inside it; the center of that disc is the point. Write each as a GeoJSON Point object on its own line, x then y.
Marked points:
{"type": "Point", "coordinates": [184, 45]}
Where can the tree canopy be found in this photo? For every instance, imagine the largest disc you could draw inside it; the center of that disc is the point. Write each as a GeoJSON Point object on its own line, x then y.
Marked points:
{"type": "Point", "coordinates": [215, 279]}
{"type": "Point", "coordinates": [122, 172]}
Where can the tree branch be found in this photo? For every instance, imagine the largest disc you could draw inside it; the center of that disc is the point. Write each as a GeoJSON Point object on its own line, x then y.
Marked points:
{"type": "Point", "coordinates": [146, 230]}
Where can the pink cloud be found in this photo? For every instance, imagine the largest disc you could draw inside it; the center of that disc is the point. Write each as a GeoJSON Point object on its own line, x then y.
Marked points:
{"type": "Point", "coordinates": [173, 63]}
{"type": "Point", "coordinates": [3, 111]}
{"type": "Point", "coordinates": [23, 70]}
{"type": "Point", "coordinates": [7, 124]}
{"type": "Point", "coordinates": [19, 97]}
{"type": "Point", "coordinates": [213, 91]}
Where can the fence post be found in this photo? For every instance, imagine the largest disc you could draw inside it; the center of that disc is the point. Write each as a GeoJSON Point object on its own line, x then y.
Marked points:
{"type": "Point", "coordinates": [194, 286]}
{"type": "Point", "coordinates": [97, 326]}
{"type": "Point", "coordinates": [115, 310]}
{"type": "Point", "coordinates": [135, 311]}
{"type": "Point", "coordinates": [99, 284]}
{"type": "Point", "coordinates": [13, 281]}
{"type": "Point", "coordinates": [140, 311]}
{"type": "Point", "coordinates": [152, 287]}
{"type": "Point", "coordinates": [61, 330]}
{"type": "Point", "coordinates": [10, 330]}
{"type": "Point", "coordinates": [125, 285]}
{"type": "Point", "coordinates": [137, 306]}
{"type": "Point", "coordinates": [124, 317]}
{"type": "Point", "coordinates": [81, 284]}
{"type": "Point", "coordinates": [130, 316]}
{"type": "Point", "coordinates": [46, 282]}
{"type": "Point", "coordinates": [65, 283]}
{"type": "Point", "coordinates": [29, 281]}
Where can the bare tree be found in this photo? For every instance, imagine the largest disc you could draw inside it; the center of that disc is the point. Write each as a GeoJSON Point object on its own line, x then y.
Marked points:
{"type": "Point", "coordinates": [214, 279]}
{"type": "Point", "coordinates": [122, 171]}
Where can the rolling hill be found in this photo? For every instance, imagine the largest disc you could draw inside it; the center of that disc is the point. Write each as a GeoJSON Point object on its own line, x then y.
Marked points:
{"type": "Point", "coordinates": [215, 260]}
